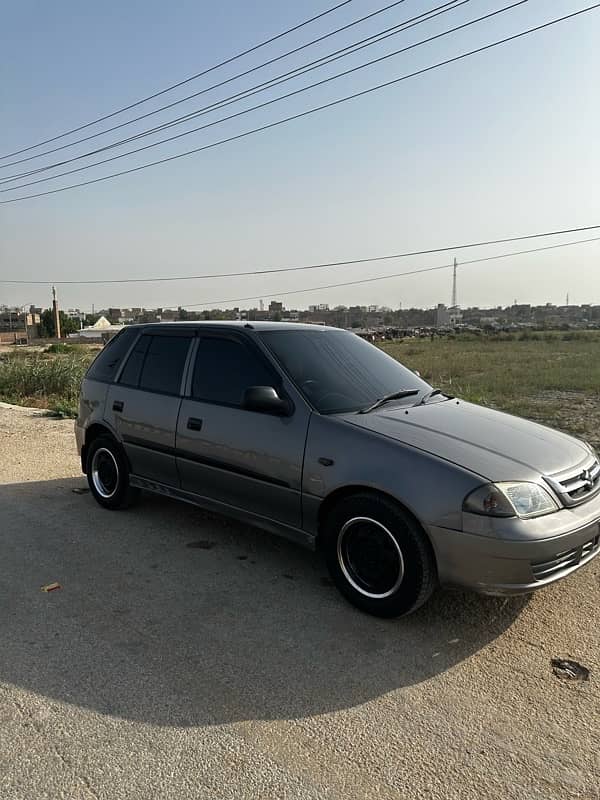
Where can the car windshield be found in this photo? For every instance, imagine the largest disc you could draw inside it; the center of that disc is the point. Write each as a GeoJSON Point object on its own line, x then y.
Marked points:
{"type": "Point", "coordinates": [337, 371]}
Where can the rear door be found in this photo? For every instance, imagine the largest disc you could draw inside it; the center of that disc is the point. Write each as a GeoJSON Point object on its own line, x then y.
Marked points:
{"type": "Point", "coordinates": [245, 459]}
{"type": "Point", "coordinates": [144, 403]}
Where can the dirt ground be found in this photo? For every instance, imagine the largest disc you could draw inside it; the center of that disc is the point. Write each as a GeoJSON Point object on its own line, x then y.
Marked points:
{"type": "Point", "coordinates": [185, 656]}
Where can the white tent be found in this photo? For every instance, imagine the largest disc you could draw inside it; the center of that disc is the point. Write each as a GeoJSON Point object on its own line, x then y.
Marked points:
{"type": "Point", "coordinates": [96, 331]}
{"type": "Point", "coordinates": [101, 324]}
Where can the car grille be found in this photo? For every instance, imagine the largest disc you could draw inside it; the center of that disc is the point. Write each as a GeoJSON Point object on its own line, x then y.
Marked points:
{"type": "Point", "coordinates": [577, 486]}
{"type": "Point", "coordinates": [565, 560]}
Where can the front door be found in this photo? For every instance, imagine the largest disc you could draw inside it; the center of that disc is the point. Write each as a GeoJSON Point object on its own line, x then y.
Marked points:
{"type": "Point", "coordinates": [144, 404]}
{"type": "Point", "coordinates": [245, 459]}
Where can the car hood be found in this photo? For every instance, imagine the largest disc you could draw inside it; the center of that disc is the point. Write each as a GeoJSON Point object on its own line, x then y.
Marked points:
{"type": "Point", "coordinates": [495, 445]}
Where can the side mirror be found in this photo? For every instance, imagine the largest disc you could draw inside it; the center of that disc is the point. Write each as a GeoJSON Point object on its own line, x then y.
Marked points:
{"type": "Point", "coordinates": [265, 399]}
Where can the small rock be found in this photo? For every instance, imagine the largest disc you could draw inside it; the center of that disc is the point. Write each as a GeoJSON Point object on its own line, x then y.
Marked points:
{"type": "Point", "coordinates": [569, 670]}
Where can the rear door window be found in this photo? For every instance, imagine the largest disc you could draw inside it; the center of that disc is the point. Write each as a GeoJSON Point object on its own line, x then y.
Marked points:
{"type": "Point", "coordinates": [225, 368]}
{"type": "Point", "coordinates": [132, 370]}
{"type": "Point", "coordinates": [107, 363]}
{"type": "Point", "coordinates": [164, 361]}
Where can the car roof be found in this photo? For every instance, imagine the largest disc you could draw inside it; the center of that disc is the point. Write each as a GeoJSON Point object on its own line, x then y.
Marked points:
{"type": "Point", "coordinates": [237, 324]}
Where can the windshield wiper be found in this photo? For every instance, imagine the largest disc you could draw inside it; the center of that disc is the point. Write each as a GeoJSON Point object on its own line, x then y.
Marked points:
{"type": "Point", "coordinates": [431, 394]}
{"type": "Point", "coordinates": [386, 398]}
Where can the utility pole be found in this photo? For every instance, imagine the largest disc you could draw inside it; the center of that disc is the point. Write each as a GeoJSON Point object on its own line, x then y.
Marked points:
{"type": "Point", "coordinates": [454, 285]}
{"type": "Point", "coordinates": [56, 313]}
{"type": "Point", "coordinates": [25, 319]}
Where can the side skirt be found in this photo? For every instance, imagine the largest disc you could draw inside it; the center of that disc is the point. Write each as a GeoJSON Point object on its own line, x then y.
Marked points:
{"type": "Point", "coordinates": [286, 531]}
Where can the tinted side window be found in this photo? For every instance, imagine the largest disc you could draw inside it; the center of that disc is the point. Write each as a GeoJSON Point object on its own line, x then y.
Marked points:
{"type": "Point", "coordinates": [164, 362]}
{"type": "Point", "coordinates": [133, 367]}
{"type": "Point", "coordinates": [225, 368]}
{"type": "Point", "coordinates": [337, 370]}
{"type": "Point", "coordinates": [106, 364]}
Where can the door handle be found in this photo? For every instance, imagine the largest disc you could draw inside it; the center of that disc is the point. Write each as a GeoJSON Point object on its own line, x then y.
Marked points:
{"type": "Point", "coordinates": [118, 405]}
{"type": "Point", "coordinates": [194, 424]}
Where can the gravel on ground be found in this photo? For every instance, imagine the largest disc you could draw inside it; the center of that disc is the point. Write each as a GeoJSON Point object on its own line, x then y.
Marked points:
{"type": "Point", "coordinates": [233, 669]}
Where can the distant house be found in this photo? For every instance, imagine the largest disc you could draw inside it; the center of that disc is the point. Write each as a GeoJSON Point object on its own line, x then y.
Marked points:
{"type": "Point", "coordinates": [100, 330]}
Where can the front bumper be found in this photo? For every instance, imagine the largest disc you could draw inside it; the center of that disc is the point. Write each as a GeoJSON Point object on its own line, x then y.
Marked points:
{"type": "Point", "coordinates": [500, 566]}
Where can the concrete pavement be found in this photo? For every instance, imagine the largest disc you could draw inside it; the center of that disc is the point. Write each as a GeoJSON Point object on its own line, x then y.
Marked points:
{"type": "Point", "coordinates": [232, 669]}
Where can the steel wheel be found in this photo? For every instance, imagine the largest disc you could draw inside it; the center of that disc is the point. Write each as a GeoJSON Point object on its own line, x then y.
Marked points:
{"type": "Point", "coordinates": [378, 555]}
{"type": "Point", "coordinates": [105, 473]}
{"type": "Point", "coordinates": [370, 557]}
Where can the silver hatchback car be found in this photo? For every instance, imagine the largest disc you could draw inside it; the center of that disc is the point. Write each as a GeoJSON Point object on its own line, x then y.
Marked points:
{"type": "Point", "coordinates": [314, 434]}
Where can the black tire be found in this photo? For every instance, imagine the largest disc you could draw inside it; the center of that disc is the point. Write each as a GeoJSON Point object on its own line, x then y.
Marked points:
{"type": "Point", "coordinates": [108, 474]}
{"type": "Point", "coordinates": [378, 556]}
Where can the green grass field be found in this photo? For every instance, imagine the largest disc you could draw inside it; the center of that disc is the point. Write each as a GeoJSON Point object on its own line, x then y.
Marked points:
{"type": "Point", "coordinates": [553, 378]}
{"type": "Point", "coordinates": [45, 379]}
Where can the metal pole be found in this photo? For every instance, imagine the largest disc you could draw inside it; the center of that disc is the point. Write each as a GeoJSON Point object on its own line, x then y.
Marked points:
{"type": "Point", "coordinates": [454, 285]}
{"type": "Point", "coordinates": [56, 313]}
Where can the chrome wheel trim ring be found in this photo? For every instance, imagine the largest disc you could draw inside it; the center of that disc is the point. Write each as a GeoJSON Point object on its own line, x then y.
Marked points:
{"type": "Point", "coordinates": [99, 486]}
{"type": "Point", "coordinates": [347, 570]}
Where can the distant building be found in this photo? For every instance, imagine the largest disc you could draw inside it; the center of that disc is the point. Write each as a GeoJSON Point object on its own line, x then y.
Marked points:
{"type": "Point", "coordinates": [11, 319]}
{"type": "Point", "coordinates": [114, 315]}
{"type": "Point", "coordinates": [101, 330]}
{"type": "Point", "coordinates": [442, 316]}
{"type": "Point", "coordinates": [489, 322]}
{"type": "Point", "coordinates": [275, 305]}
{"type": "Point", "coordinates": [320, 307]}
{"type": "Point", "coordinates": [447, 317]}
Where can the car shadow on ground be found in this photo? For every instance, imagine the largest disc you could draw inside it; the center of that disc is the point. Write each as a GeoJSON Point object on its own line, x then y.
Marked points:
{"type": "Point", "coordinates": [172, 616]}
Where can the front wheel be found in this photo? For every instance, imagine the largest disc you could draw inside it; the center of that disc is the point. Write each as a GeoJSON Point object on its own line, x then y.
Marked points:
{"type": "Point", "coordinates": [108, 474]}
{"type": "Point", "coordinates": [378, 556]}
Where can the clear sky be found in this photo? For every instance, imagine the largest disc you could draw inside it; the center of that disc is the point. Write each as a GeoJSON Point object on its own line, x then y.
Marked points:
{"type": "Point", "coordinates": [504, 143]}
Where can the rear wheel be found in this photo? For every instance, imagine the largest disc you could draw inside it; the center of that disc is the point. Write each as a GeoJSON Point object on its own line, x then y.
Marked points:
{"type": "Point", "coordinates": [378, 556]}
{"type": "Point", "coordinates": [108, 474]}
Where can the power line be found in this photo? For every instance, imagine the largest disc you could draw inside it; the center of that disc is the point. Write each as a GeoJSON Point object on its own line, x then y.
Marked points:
{"type": "Point", "coordinates": [219, 303]}
{"type": "Point", "coordinates": [293, 117]}
{"type": "Point", "coordinates": [214, 86]}
{"type": "Point", "coordinates": [262, 105]}
{"type": "Point", "coordinates": [246, 93]}
{"type": "Point", "coordinates": [370, 259]}
{"type": "Point", "coordinates": [267, 102]}
{"type": "Point", "coordinates": [183, 82]}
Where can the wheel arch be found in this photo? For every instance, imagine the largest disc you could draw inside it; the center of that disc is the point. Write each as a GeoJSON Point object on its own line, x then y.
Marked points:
{"type": "Point", "coordinates": [345, 492]}
{"type": "Point", "coordinates": [94, 431]}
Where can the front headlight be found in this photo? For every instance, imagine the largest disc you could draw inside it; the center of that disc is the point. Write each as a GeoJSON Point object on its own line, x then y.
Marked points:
{"type": "Point", "coordinates": [509, 499]}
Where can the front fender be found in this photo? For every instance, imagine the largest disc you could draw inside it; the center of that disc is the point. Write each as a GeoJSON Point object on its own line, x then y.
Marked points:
{"type": "Point", "coordinates": [431, 488]}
